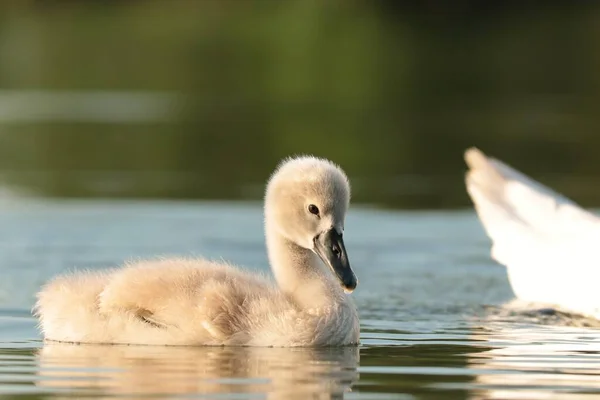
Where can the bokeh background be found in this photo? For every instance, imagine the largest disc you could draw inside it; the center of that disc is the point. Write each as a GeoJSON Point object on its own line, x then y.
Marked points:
{"type": "Point", "coordinates": [200, 99]}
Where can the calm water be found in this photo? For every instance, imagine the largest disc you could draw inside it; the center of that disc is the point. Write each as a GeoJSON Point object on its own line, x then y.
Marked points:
{"type": "Point", "coordinates": [430, 299]}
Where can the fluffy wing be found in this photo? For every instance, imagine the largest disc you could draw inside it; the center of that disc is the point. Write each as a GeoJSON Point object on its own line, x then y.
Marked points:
{"type": "Point", "coordinates": [198, 297]}
{"type": "Point", "coordinates": [171, 301]}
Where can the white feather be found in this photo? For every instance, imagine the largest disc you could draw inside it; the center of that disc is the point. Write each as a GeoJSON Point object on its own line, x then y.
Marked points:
{"type": "Point", "coordinates": [550, 245]}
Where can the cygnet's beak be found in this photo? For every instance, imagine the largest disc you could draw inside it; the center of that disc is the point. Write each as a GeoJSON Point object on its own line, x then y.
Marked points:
{"type": "Point", "coordinates": [329, 245]}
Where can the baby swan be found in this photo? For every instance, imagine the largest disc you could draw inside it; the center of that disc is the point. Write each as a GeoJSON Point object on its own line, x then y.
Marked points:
{"type": "Point", "coordinates": [200, 302]}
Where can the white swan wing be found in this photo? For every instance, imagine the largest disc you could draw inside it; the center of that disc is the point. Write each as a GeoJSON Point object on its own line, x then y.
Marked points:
{"type": "Point", "coordinates": [550, 244]}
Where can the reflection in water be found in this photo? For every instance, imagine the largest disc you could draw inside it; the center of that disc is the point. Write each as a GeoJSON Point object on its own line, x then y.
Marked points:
{"type": "Point", "coordinates": [279, 373]}
{"type": "Point", "coordinates": [556, 361]}
{"type": "Point", "coordinates": [424, 369]}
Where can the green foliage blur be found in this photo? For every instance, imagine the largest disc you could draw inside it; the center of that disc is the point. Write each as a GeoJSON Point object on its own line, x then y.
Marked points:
{"type": "Point", "coordinates": [392, 91]}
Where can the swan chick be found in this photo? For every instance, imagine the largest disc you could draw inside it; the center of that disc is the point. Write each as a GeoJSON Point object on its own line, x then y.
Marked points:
{"type": "Point", "coordinates": [178, 301]}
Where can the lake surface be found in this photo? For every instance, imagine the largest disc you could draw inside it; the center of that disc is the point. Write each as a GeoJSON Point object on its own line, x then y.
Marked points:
{"type": "Point", "coordinates": [434, 324]}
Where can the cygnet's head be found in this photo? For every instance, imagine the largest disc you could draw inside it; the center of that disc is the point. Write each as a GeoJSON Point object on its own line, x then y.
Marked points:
{"type": "Point", "coordinates": [306, 202]}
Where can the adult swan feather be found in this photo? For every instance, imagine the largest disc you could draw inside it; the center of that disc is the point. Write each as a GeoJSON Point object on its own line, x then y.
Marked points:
{"type": "Point", "coordinates": [548, 243]}
{"type": "Point", "coordinates": [201, 302]}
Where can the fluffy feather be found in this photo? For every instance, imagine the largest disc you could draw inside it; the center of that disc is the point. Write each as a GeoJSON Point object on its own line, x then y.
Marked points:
{"type": "Point", "coordinates": [200, 302]}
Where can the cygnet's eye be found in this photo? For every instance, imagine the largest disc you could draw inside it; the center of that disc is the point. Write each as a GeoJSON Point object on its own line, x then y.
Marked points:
{"type": "Point", "coordinates": [313, 209]}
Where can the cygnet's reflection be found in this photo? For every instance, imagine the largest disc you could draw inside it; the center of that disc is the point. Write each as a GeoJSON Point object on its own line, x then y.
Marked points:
{"type": "Point", "coordinates": [278, 373]}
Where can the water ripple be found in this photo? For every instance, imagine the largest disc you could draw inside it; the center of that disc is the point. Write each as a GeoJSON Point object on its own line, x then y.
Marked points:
{"type": "Point", "coordinates": [426, 333]}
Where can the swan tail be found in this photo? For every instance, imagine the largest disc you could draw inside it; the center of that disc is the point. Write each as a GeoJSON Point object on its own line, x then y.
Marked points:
{"type": "Point", "coordinates": [67, 306]}
{"type": "Point", "coordinates": [518, 212]}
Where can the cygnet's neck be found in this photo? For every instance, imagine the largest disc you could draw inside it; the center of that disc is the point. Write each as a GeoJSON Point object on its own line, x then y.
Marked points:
{"type": "Point", "coordinates": [301, 274]}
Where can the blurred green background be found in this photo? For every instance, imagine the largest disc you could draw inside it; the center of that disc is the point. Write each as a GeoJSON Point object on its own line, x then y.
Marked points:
{"type": "Point", "coordinates": [201, 99]}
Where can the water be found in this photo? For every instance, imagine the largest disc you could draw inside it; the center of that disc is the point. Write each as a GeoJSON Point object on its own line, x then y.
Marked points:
{"type": "Point", "coordinates": [431, 305]}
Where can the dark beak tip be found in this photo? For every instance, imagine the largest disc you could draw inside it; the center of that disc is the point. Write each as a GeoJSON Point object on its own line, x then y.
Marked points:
{"type": "Point", "coordinates": [329, 246]}
{"type": "Point", "coordinates": [350, 286]}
